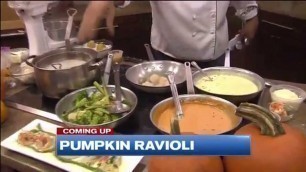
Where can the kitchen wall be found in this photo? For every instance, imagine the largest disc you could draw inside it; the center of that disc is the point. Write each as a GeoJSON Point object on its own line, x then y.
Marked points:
{"type": "Point", "coordinates": [9, 18]}
{"type": "Point", "coordinates": [296, 9]}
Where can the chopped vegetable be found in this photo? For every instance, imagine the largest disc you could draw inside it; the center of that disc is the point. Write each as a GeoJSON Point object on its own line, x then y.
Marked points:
{"type": "Point", "coordinates": [91, 108]}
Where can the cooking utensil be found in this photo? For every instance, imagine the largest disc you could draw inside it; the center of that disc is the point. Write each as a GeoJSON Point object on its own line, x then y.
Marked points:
{"type": "Point", "coordinates": [108, 67]}
{"type": "Point", "coordinates": [227, 106]}
{"type": "Point", "coordinates": [71, 13]}
{"type": "Point", "coordinates": [79, 69]}
{"type": "Point", "coordinates": [174, 123]}
{"type": "Point", "coordinates": [149, 52]}
{"type": "Point", "coordinates": [190, 87]}
{"type": "Point", "coordinates": [236, 99]}
{"type": "Point", "coordinates": [102, 28]}
{"type": "Point", "coordinates": [118, 107]}
{"type": "Point", "coordinates": [194, 64]}
{"type": "Point", "coordinates": [67, 103]}
{"type": "Point", "coordinates": [138, 73]}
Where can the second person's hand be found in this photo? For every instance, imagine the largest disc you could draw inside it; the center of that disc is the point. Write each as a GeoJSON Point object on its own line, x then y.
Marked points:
{"type": "Point", "coordinates": [94, 14]}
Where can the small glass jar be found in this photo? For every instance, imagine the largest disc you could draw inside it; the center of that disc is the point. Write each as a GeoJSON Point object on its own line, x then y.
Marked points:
{"type": "Point", "coordinates": [286, 100]}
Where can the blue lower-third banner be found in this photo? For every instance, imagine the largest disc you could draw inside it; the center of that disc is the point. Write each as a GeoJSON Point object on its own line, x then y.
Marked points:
{"type": "Point", "coordinates": [152, 145]}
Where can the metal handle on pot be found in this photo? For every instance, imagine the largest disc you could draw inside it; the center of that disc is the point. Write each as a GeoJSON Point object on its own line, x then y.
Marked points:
{"type": "Point", "coordinates": [56, 64]}
{"type": "Point", "coordinates": [118, 92]}
{"type": "Point", "coordinates": [96, 65]}
{"type": "Point", "coordinates": [190, 88]}
{"type": "Point", "coordinates": [149, 52]}
{"type": "Point", "coordinates": [174, 123]}
{"type": "Point", "coordinates": [30, 63]}
{"type": "Point", "coordinates": [179, 111]}
{"type": "Point", "coordinates": [108, 68]}
{"type": "Point", "coordinates": [227, 61]}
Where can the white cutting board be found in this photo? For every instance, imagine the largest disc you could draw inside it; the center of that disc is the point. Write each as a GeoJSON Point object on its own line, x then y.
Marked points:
{"type": "Point", "coordinates": [128, 162]}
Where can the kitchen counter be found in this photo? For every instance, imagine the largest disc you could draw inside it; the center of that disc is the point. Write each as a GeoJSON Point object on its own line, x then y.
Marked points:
{"type": "Point", "coordinates": [18, 119]}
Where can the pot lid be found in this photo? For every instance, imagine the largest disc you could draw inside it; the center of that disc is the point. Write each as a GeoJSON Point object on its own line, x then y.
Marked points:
{"type": "Point", "coordinates": [63, 60]}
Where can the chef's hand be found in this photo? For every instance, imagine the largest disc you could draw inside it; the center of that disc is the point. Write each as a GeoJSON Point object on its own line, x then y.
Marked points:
{"type": "Point", "coordinates": [94, 14]}
{"type": "Point", "coordinates": [249, 29]}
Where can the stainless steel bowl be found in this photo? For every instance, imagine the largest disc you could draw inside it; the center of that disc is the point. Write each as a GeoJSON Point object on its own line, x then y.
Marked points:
{"type": "Point", "coordinates": [229, 107]}
{"type": "Point", "coordinates": [236, 99]}
{"type": "Point", "coordinates": [103, 53]}
{"type": "Point", "coordinates": [66, 103]}
{"type": "Point", "coordinates": [137, 73]}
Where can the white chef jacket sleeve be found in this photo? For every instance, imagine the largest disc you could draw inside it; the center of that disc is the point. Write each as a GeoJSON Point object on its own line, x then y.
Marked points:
{"type": "Point", "coordinates": [126, 3]}
{"type": "Point", "coordinates": [245, 10]}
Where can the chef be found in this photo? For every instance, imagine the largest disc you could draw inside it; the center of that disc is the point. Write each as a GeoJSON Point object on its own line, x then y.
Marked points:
{"type": "Point", "coordinates": [181, 30]}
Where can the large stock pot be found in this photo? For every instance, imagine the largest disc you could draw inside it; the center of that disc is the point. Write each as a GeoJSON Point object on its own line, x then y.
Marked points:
{"type": "Point", "coordinates": [60, 71]}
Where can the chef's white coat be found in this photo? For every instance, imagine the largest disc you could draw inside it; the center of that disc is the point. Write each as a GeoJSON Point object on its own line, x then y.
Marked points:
{"type": "Point", "coordinates": [194, 30]}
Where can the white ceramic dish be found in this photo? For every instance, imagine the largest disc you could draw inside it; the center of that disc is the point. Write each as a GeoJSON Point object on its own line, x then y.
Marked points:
{"type": "Point", "coordinates": [128, 162]}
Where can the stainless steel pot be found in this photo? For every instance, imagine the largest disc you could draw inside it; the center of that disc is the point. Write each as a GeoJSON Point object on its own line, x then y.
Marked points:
{"type": "Point", "coordinates": [59, 72]}
{"type": "Point", "coordinates": [236, 99]}
{"type": "Point", "coordinates": [225, 105]}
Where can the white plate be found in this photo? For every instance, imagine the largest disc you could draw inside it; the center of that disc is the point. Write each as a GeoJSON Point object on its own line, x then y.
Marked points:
{"type": "Point", "coordinates": [128, 162]}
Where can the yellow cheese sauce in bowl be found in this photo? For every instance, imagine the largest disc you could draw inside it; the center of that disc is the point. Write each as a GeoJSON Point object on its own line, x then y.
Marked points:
{"type": "Point", "coordinates": [233, 84]}
{"type": "Point", "coordinates": [227, 84]}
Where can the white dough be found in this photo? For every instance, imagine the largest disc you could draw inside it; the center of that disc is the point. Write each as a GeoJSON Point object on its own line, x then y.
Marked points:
{"type": "Point", "coordinates": [147, 84]}
{"type": "Point", "coordinates": [154, 79]}
{"type": "Point", "coordinates": [163, 81]}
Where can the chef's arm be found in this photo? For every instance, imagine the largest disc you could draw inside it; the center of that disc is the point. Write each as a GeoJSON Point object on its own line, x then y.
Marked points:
{"type": "Point", "coordinates": [95, 12]}
{"type": "Point", "coordinates": [247, 11]}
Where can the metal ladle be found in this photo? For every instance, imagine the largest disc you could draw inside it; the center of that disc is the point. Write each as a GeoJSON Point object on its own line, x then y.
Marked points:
{"type": "Point", "coordinates": [174, 123]}
{"type": "Point", "coordinates": [118, 107]}
{"type": "Point", "coordinates": [194, 64]}
{"type": "Point", "coordinates": [71, 13]}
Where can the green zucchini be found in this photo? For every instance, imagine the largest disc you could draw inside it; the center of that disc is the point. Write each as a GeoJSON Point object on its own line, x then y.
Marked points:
{"type": "Point", "coordinates": [266, 120]}
{"type": "Point", "coordinates": [41, 129]}
{"type": "Point", "coordinates": [79, 164]}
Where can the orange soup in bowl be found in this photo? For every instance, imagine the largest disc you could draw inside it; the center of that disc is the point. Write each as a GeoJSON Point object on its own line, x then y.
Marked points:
{"type": "Point", "coordinates": [199, 118]}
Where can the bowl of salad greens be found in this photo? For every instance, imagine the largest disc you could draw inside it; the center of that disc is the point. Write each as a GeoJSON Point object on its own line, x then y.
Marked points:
{"type": "Point", "coordinates": [88, 107]}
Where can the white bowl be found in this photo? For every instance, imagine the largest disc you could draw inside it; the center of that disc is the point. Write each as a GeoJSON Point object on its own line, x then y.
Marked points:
{"type": "Point", "coordinates": [18, 55]}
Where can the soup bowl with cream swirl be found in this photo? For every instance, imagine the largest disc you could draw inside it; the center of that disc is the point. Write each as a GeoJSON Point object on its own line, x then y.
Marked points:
{"type": "Point", "coordinates": [233, 84]}
{"type": "Point", "coordinates": [203, 114]}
